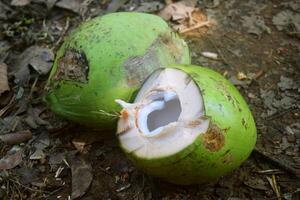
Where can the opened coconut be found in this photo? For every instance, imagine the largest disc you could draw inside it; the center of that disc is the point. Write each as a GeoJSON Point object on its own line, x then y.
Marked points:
{"type": "Point", "coordinates": [108, 58]}
{"type": "Point", "coordinates": [187, 125]}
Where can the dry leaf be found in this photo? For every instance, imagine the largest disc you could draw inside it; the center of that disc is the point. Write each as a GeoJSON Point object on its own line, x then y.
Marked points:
{"type": "Point", "coordinates": [3, 78]}
{"type": "Point", "coordinates": [286, 18]}
{"type": "Point", "coordinates": [77, 6]}
{"type": "Point", "coordinates": [16, 138]}
{"type": "Point", "coordinates": [114, 5]}
{"type": "Point", "coordinates": [195, 26]}
{"type": "Point", "coordinates": [79, 145]}
{"type": "Point", "coordinates": [176, 11]}
{"type": "Point", "coordinates": [11, 160]}
{"type": "Point", "coordinates": [81, 175]}
{"type": "Point", "coordinates": [38, 57]}
{"type": "Point", "coordinates": [149, 7]}
{"type": "Point", "coordinates": [189, 21]}
{"type": "Point", "coordinates": [20, 2]}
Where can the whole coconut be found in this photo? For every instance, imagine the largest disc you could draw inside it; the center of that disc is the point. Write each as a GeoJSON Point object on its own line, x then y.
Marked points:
{"type": "Point", "coordinates": [187, 125]}
{"type": "Point", "coordinates": [107, 58]}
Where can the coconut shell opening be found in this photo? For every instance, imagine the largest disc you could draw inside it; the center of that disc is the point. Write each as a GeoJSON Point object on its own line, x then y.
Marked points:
{"type": "Point", "coordinates": [158, 123]}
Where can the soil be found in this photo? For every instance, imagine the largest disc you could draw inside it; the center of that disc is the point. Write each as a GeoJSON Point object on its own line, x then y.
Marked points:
{"type": "Point", "coordinates": [258, 49]}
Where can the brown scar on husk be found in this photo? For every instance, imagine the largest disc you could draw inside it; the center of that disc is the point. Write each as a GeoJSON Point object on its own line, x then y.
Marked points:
{"type": "Point", "coordinates": [167, 39]}
{"type": "Point", "coordinates": [73, 66]}
{"type": "Point", "coordinates": [138, 68]}
{"type": "Point", "coordinates": [214, 138]}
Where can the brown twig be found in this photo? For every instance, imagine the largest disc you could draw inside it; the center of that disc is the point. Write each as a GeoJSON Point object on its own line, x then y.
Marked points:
{"type": "Point", "coordinates": [258, 74]}
{"type": "Point", "coordinates": [272, 181]}
{"type": "Point", "coordinates": [32, 87]}
{"type": "Point", "coordinates": [62, 34]}
{"type": "Point", "coordinates": [194, 27]}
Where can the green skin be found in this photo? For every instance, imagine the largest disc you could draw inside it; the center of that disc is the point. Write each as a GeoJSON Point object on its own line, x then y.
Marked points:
{"type": "Point", "coordinates": [227, 110]}
{"type": "Point", "coordinates": [122, 50]}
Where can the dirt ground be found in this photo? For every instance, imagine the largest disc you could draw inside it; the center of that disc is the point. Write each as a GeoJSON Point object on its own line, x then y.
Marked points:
{"type": "Point", "coordinates": [257, 44]}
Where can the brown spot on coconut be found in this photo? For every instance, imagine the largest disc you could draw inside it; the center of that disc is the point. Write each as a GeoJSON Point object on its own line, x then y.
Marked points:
{"type": "Point", "coordinates": [214, 139]}
{"type": "Point", "coordinates": [73, 66]}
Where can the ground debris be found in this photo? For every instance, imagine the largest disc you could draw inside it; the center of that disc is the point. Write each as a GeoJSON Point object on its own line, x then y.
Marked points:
{"type": "Point", "coordinates": [178, 11]}
{"type": "Point", "coordinates": [12, 159]}
{"type": "Point", "coordinates": [115, 5]}
{"type": "Point", "coordinates": [3, 78]}
{"type": "Point", "coordinates": [287, 21]}
{"type": "Point", "coordinates": [76, 6]}
{"type": "Point", "coordinates": [81, 175]}
{"type": "Point", "coordinates": [4, 10]}
{"type": "Point", "coordinates": [256, 183]}
{"type": "Point", "coordinates": [42, 170]}
{"type": "Point", "coordinates": [16, 138]}
{"type": "Point", "coordinates": [149, 7]}
{"type": "Point", "coordinates": [285, 99]}
{"type": "Point", "coordinates": [255, 25]}
{"type": "Point", "coordinates": [37, 57]}
{"type": "Point", "coordinates": [20, 2]}
{"type": "Point", "coordinates": [187, 19]}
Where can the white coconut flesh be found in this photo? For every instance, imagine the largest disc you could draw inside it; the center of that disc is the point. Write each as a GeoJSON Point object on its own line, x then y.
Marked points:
{"type": "Point", "coordinates": [166, 117]}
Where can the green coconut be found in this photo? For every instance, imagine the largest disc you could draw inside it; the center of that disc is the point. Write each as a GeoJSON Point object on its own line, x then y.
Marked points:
{"type": "Point", "coordinates": [187, 125]}
{"type": "Point", "coordinates": [107, 58]}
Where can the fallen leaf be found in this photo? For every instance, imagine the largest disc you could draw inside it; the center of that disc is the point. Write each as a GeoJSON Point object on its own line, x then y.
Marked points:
{"type": "Point", "coordinates": [81, 175]}
{"type": "Point", "coordinates": [42, 141]}
{"type": "Point", "coordinates": [187, 20]}
{"type": "Point", "coordinates": [12, 159]}
{"type": "Point", "coordinates": [38, 57]}
{"type": "Point", "coordinates": [4, 11]}
{"type": "Point", "coordinates": [16, 138]}
{"type": "Point", "coordinates": [115, 5]}
{"type": "Point", "coordinates": [20, 2]}
{"type": "Point", "coordinates": [79, 145]}
{"type": "Point", "coordinates": [49, 3]}
{"type": "Point", "coordinates": [28, 175]}
{"type": "Point", "coordinates": [149, 7]}
{"type": "Point", "coordinates": [42, 60]}
{"type": "Point", "coordinates": [56, 159]}
{"type": "Point", "coordinates": [294, 5]}
{"type": "Point", "coordinates": [256, 183]}
{"type": "Point", "coordinates": [3, 78]}
{"type": "Point", "coordinates": [76, 6]}
{"type": "Point", "coordinates": [176, 11]}
{"type": "Point", "coordinates": [195, 26]}
{"type": "Point", "coordinates": [255, 25]}
{"type": "Point", "coordinates": [287, 83]}
{"type": "Point", "coordinates": [212, 3]}
{"type": "Point", "coordinates": [35, 113]}
{"type": "Point", "coordinates": [37, 155]}
{"type": "Point", "coordinates": [5, 46]}
{"type": "Point", "coordinates": [286, 18]}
